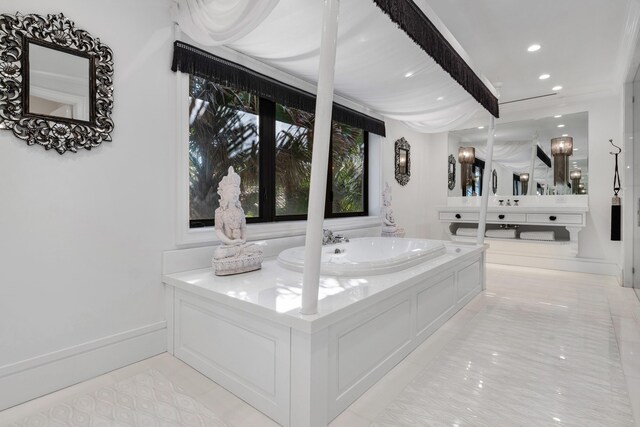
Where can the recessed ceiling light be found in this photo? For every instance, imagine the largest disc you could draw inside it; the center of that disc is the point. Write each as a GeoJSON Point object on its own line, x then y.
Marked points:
{"type": "Point", "coordinates": [480, 127]}
{"type": "Point", "coordinates": [533, 48]}
{"type": "Point", "coordinates": [560, 126]}
{"type": "Point", "coordinates": [544, 76]}
{"type": "Point", "coordinates": [557, 88]}
{"type": "Point", "coordinates": [409, 74]}
{"type": "Point", "coordinates": [558, 116]}
{"type": "Point", "coordinates": [576, 149]}
{"type": "Point", "coordinates": [440, 98]}
{"type": "Point", "coordinates": [564, 135]}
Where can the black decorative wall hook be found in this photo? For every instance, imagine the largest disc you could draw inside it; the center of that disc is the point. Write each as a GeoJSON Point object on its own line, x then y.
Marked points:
{"type": "Point", "coordinates": [616, 203]}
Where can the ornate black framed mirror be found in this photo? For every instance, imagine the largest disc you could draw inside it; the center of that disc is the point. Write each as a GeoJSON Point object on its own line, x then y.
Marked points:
{"type": "Point", "coordinates": [57, 83]}
{"type": "Point", "coordinates": [494, 182]}
{"type": "Point", "coordinates": [451, 171]}
{"type": "Point", "coordinates": [403, 161]}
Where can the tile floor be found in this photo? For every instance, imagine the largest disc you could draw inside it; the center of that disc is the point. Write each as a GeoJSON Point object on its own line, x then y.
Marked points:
{"type": "Point", "coordinates": [537, 348]}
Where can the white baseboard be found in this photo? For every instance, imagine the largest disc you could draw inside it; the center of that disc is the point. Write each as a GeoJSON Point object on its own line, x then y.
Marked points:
{"type": "Point", "coordinates": [575, 264]}
{"type": "Point", "coordinates": [40, 375]}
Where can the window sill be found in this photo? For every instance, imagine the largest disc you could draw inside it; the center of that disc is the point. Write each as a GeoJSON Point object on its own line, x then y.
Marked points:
{"type": "Point", "coordinates": [274, 230]}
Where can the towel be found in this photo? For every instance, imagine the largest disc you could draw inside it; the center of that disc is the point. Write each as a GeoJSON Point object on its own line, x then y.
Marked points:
{"type": "Point", "coordinates": [538, 235]}
{"type": "Point", "coordinates": [502, 233]}
{"type": "Point", "coordinates": [467, 232]}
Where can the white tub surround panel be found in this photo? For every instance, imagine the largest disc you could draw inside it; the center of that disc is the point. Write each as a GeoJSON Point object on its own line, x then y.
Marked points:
{"type": "Point", "coordinates": [246, 332]}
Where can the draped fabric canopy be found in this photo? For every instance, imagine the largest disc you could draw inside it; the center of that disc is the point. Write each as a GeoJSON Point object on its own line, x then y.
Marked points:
{"type": "Point", "coordinates": [377, 64]}
{"type": "Point", "coordinates": [516, 156]}
{"type": "Point", "coordinates": [218, 22]}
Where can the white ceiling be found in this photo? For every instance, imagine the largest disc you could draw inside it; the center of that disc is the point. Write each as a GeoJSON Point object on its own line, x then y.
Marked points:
{"type": "Point", "coordinates": [585, 43]}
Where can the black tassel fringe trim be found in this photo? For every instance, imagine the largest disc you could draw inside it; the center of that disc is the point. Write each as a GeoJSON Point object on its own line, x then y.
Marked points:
{"type": "Point", "coordinates": [410, 18]}
{"type": "Point", "coordinates": [192, 60]}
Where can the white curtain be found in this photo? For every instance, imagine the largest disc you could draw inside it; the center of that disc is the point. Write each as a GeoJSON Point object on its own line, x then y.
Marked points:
{"type": "Point", "coordinates": [515, 155]}
{"type": "Point", "coordinates": [377, 65]}
{"type": "Point", "coordinates": [217, 22]}
{"type": "Point", "coordinates": [442, 119]}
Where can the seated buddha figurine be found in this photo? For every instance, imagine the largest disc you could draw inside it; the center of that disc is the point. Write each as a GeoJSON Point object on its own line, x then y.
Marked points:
{"type": "Point", "coordinates": [389, 226]}
{"type": "Point", "coordinates": [389, 222]}
{"type": "Point", "coordinates": [231, 229]}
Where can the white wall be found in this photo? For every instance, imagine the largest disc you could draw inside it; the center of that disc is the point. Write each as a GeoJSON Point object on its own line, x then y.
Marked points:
{"type": "Point", "coordinates": [414, 204]}
{"type": "Point", "coordinates": [605, 122]}
{"type": "Point", "coordinates": [82, 234]}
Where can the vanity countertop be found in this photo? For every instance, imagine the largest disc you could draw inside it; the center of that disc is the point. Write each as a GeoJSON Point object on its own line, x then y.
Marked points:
{"type": "Point", "coordinates": [517, 209]}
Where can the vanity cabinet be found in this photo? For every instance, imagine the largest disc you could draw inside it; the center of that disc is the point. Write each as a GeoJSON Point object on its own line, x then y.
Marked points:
{"type": "Point", "coordinates": [555, 216]}
{"type": "Point", "coordinates": [459, 216]}
{"type": "Point", "coordinates": [566, 221]}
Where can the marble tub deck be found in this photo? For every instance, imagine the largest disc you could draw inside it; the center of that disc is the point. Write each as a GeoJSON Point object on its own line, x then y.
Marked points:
{"type": "Point", "coordinates": [538, 348]}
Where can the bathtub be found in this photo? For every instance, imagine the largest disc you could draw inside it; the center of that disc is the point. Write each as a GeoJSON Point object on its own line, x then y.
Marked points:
{"type": "Point", "coordinates": [366, 256]}
{"type": "Point", "coordinates": [247, 334]}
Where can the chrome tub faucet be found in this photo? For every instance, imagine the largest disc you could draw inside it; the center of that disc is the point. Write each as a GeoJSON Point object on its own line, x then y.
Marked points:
{"type": "Point", "coordinates": [328, 238]}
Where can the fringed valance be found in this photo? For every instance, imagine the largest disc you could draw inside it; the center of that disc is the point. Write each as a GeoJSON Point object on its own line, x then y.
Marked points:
{"type": "Point", "coordinates": [410, 18]}
{"type": "Point", "coordinates": [543, 156]}
{"type": "Point", "coordinates": [192, 60]}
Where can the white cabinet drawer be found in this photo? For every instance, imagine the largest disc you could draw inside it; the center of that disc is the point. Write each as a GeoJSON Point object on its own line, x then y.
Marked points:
{"type": "Point", "coordinates": [509, 218]}
{"type": "Point", "coordinates": [459, 216]}
{"type": "Point", "coordinates": [551, 218]}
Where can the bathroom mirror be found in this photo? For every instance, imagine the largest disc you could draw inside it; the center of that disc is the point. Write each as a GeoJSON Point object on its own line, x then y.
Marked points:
{"type": "Point", "coordinates": [403, 161]}
{"type": "Point", "coordinates": [494, 182]}
{"type": "Point", "coordinates": [404, 154]}
{"type": "Point", "coordinates": [451, 172]}
{"type": "Point", "coordinates": [525, 147]}
{"type": "Point", "coordinates": [57, 81]}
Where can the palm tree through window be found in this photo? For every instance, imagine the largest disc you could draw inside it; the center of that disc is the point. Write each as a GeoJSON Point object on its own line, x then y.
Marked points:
{"type": "Point", "coordinates": [270, 146]}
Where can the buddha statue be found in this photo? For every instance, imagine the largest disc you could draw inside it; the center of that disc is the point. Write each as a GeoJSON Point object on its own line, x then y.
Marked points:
{"type": "Point", "coordinates": [234, 255]}
{"type": "Point", "coordinates": [389, 226]}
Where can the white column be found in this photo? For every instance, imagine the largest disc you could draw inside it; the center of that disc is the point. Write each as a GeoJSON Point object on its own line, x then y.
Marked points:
{"type": "Point", "coordinates": [533, 188]}
{"type": "Point", "coordinates": [320, 158]}
{"type": "Point", "coordinates": [486, 182]}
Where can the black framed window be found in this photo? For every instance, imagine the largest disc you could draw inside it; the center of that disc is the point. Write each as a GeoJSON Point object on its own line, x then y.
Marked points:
{"type": "Point", "coordinates": [294, 145]}
{"type": "Point", "coordinates": [270, 147]}
{"type": "Point", "coordinates": [223, 132]}
{"type": "Point", "coordinates": [348, 193]}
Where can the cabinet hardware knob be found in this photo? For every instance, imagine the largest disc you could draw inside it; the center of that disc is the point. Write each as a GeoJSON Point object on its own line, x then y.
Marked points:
{"type": "Point", "coordinates": [458, 216]}
{"type": "Point", "coordinates": [500, 216]}
{"type": "Point", "coordinates": [552, 218]}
